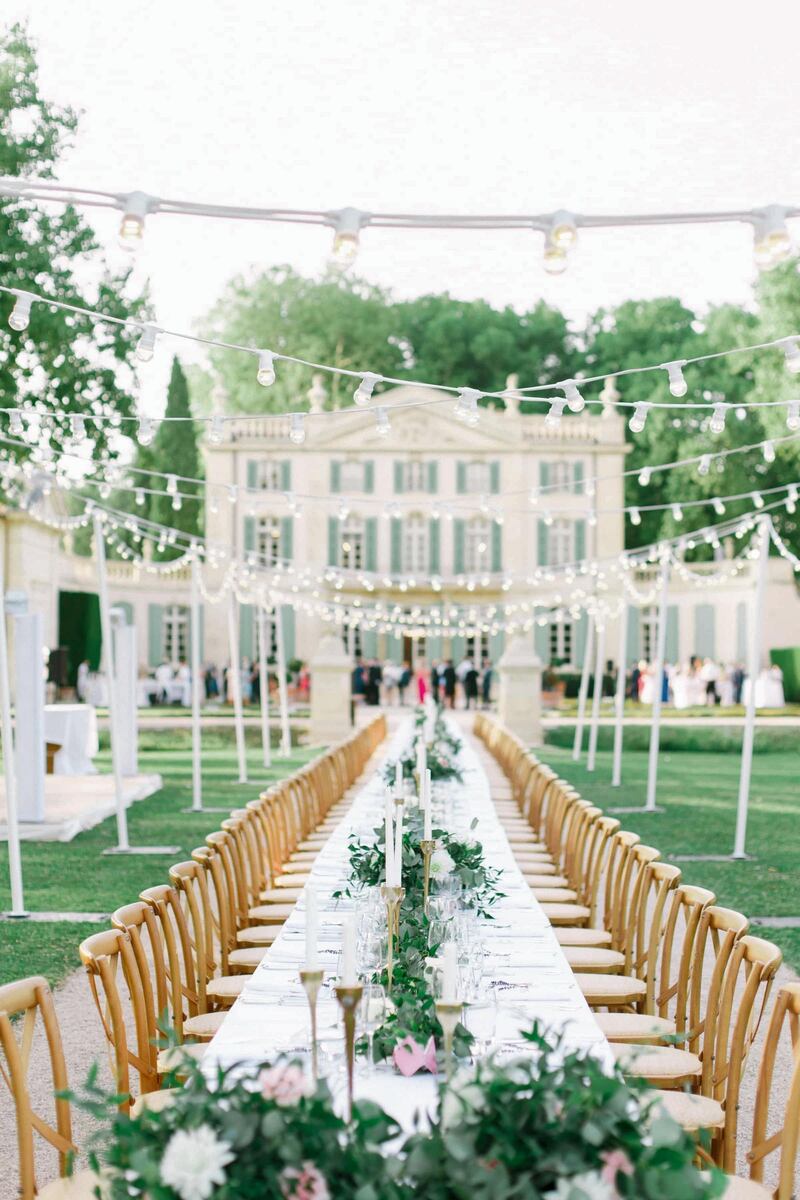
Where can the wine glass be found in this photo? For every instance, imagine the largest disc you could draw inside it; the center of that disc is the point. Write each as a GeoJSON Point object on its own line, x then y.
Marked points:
{"type": "Point", "coordinates": [373, 1014]}
{"type": "Point", "coordinates": [480, 1018]}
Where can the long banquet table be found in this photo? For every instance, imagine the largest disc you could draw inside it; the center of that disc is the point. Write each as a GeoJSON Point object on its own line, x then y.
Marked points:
{"type": "Point", "coordinates": [524, 961]}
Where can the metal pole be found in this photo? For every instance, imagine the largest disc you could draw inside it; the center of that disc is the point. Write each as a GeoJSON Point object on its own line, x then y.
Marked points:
{"type": "Point", "coordinates": [619, 698]}
{"type": "Point", "coordinates": [283, 694]}
{"type": "Point", "coordinates": [753, 668]}
{"type": "Point", "coordinates": [123, 844]}
{"type": "Point", "coordinates": [197, 772]}
{"type": "Point", "coordinates": [264, 686]}
{"type": "Point", "coordinates": [583, 691]}
{"type": "Point", "coordinates": [12, 820]}
{"type": "Point", "coordinates": [597, 696]}
{"type": "Point", "coordinates": [658, 685]}
{"type": "Point", "coordinates": [236, 683]}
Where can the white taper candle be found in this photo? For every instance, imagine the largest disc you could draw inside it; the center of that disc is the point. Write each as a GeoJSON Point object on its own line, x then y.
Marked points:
{"type": "Point", "coordinates": [426, 800]}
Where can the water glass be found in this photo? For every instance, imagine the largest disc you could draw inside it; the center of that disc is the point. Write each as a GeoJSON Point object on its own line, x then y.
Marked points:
{"type": "Point", "coordinates": [373, 1014]}
{"type": "Point", "coordinates": [480, 1018]}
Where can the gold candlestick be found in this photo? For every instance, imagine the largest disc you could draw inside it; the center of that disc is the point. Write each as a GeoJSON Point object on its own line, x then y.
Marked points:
{"type": "Point", "coordinates": [427, 846]}
{"type": "Point", "coordinates": [349, 999]}
{"type": "Point", "coordinates": [312, 982]}
{"type": "Point", "coordinates": [449, 1015]}
{"type": "Point", "coordinates": [392, 897]}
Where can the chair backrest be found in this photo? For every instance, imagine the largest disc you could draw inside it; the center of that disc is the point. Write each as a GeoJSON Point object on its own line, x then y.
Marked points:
{"type": "Point", "coordinates": [140, 923]}
{"type": "Point", "coordinates": [785, 1017]}
{"type": "Point", "coordinates": [31, 999]}
{"type": "Point", "coordinates": [189, 879]}
{"type": "Point", "coordinates": [682, 927]}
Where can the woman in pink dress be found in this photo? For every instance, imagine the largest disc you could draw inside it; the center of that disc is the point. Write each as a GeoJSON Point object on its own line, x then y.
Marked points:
{"type": "Point", "coordinates": [422, 684]}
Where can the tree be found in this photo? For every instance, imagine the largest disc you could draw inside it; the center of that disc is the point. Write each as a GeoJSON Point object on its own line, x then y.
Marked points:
{"type": "Point", "coordinates": [175, 452]}
{"type": "Point", "coordinates": [60, 364]}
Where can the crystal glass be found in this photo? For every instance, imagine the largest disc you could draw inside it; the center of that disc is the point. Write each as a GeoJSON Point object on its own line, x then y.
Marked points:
{"type": "Point", "coordinates": [373, 1014]}
{"type": "Point", "coordinates": [480, 1018]}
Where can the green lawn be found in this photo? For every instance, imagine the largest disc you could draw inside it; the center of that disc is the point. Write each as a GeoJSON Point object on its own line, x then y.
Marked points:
{"type": "Point", "coordinates": [698, 783]}
{"type": "Point", "coordinates": [75, 877]}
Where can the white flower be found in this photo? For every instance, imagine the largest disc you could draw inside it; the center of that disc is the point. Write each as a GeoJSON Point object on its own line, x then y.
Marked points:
{"type": "Point", "coordinates": [463, 1099]}
{"type": "Point", "coordinates": [589, 1186]}
{"type": "Point", "coordinates": [441, 864]}
{"type": "Point", "coordinates": [194, 1162]}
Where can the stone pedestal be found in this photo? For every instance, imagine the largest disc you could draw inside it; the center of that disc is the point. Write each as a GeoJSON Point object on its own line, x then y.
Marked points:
{"type": "Point", "coordinates": [330, 691]}
{"type": "Point", "coordinates": [519, 702]}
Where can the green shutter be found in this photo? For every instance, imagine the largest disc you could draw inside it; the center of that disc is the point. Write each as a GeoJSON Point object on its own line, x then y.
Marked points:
{"type": "Point", "coordinates": [249, 533]}
{"type": "Point", "coordinates": [461, 476]}
{"type": "Point", "coordinates": [398, 476]}
{"type": "Point", "coordinates": [252, 473]}
{"type": "Point", "coordinates": [494, 477]}
{"type": "Point", "coordinates": [334, 541]}
{"type": "Point", "coordinates": [580, 540]}
{"type": "Point", "coordinates": [459, 538]}
{"type": "Point", "coordinates": [544, 475]}
{"type": "Point", "coordinates": [541, 549]}
{"type": "Point", "coordinates": [155, 634]}
{"type": "Point", "coordinates": [433, 477]}
{"type": "Point", "coordinates": [433, 546]}
{"type": "Point", "coordinates": [287, 538]}
{"type": "Point", "coordinates": [336, 475]}
{"type": "Point", "coordinates": [433, 647]}
{"type": "Point", "coordinates": [369, 476]}
{"type": "Point", "coordinates": [497, 546]}
{"type": "Point", "coordinates": [671, 650]}
{"type": "Point", "coordinates": [286, 475]}
{"type": "Point", "coordinates": [246, 639]}
{"type": "Point", "coordinates": [396, 545]}
{"type": "Point", "coordinates": [741, 632]}
{"type": "Point", "coordinates": [633, 638]}
{"type": "Point", "coordinates": [704, 630]}
{"type": "Point", "coordinates": [287, 623]}
{"type": "Point", "coordinates": [458, 644]}
{"type": "Point", "coordinates": [541, 642]}
{"type": "Point", "coordinates": [577, 478]}
{"type": "Point", "coordinates": [497, 642]}
{"type": "Point", "coordinates": [371, 548]}
{"type": "Point", "coordinates": [369, 643]}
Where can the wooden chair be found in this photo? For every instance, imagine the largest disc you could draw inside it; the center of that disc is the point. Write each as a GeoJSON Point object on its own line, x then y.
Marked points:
{"type": "Point", "coordinates": [27, 1001]}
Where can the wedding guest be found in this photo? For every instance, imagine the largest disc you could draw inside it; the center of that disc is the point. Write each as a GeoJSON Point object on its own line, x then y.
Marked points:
{"type": "Point", "coordinates": [358, 681]}
{"type": "Point", "coordinates": [373, 688]}
{"type": "Point", "coordinates": [422, 683]}
{"type": "Point", "coordinates": [737, 679]}
{"type": "Point", "coordinates": [163, 677]}
{"type": "Point", "coordinates": [405, 679]}
{"type": "Point", "coordinates": [255, 683]}
{"type": "Point", "coordinates": [470, 684]}
{"type": "Point", "coordinates": [633, 690]}
{"type": "Point", "coordinates": [82, 683]}
{"type": "Point", "coordinates": [709, 674]}
{"type": "Point", "coordinates": [449, 684]}
{"type": "Point", "coordinates": [486, 683]}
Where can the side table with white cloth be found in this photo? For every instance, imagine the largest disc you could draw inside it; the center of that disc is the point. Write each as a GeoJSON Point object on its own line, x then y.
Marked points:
{"type": "Point", "coordinates": [531, 976]}
{"type": "Point", "coordinates": [72, 727]}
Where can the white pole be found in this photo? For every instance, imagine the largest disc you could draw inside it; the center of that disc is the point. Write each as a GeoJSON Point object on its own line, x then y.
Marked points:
{"type": "Point", "coordinates": [283, 694]}
{"type": "Point", "coordinates": [236, 683]}
{"type": "Point", "coordinates": [658, 687]}
{"type": "Point", "coordinates": [753, 667]}
{"type": "Point", "coordinates": [12, 822]}
{"type": "Point", "coordinates": [197, 752]}
{"type": "Point", "coordinates": [123, 844]}
{"type": "Point", "coordinates": [619, 698]}
{"type": "Point", "coordinates": [263, 676]}
{"type": "Point", "coordinates": [597, 696]}
{"type": "Point", "coordinates": [583, 691]}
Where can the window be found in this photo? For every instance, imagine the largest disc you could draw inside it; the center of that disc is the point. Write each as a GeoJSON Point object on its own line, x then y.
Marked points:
{"type": "Point", "coordinates": [560, 543]}
{"type": "Point", "coordinates": [561, 476]}
{"type": "Point", "coordinates": [477, 544]}
{"type": "Point", "coordinates": [351, 477]}
{"type": "Point", "coordinates": [352, 552]}
{"type": "Point", "coordinates": [269, 475]}
{"type": "Point", "coordinates": [351, 639]}
{"type": "Point", "coordinates": [415, 543]}
{"type": "Point", "coordinates": [561, 641]}
{"type": "Point", "coordinates": [175, 633]}
{"type": "Point", "coordinates": [478, 478]}
{"type": "Point", "coordinates": [414, 477]}
{"type": "Point", "coordinates": [649, 620]}
{"type": "Point", "coordinates": [272, 637]}
{"type": "Point", "coordinates": [478, 648]}
{"type": "Point", "coordinates": [268, 541]}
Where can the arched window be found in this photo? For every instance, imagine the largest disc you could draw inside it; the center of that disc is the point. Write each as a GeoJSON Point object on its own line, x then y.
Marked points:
{"type": "Point", "coordinates": [353, 548]}
{"type": "Point", "coordinates": [415, 543]}
{"type": "Point", "coordinates": [477, 544]}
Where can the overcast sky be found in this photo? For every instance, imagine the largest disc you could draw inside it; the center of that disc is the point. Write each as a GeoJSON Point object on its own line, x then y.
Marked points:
{"type": "Point", "coordinates": [433, 105]}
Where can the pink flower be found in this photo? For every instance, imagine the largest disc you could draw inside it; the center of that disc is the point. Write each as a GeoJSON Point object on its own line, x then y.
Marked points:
{"type": "Point", "coordinates": [615, 1162]}
{"type": "Point", "coordinates": [303, 1183]}
{"type": "Point", "coordinates": [285, 1084]}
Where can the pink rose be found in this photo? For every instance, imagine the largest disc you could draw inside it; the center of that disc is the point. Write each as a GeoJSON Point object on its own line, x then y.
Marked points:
{"type": "Point", "coordinates": [615, 1162]}
{"type": "Point", "coordinates": [303, 1183]}
{"type": "Point", "coordinates": [286, 1084]}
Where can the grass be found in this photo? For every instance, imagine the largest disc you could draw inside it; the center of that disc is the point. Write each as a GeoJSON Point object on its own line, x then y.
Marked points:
{"type": "Point", "coordinates": [75, 877]}
{"type": "Point", "coordinates": [569, 708]}
{"type": "Point", "coordinates": [698, 781]}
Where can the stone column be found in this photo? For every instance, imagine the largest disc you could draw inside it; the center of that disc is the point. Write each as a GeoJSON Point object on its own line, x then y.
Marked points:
{"type": "Point", "coordinates": [330, 691]}
{"type": "Point", "coordinates": [519, 704]}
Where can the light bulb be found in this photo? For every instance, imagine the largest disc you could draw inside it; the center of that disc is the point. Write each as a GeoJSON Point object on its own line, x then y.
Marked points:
{"type": "Point", "coordinates": [791, 353]}
{"type": "Point", "coordinates": [363, 393]}
{"type": "Point", "coordinates": [548, 518]}
{"type": "Point", "coordinates": [347, 225]}
{"type": "Point", "coordinates": [635, 516]}
{"type": "Point", "coordinates": [266, 368]}
{"type": "Point", "coordinates": [677, 384]}
{"type": "Point", "coordinates": [677, 512]}
{"type": "Point", "coordinates": [382, 426]}
{"type": "Point", "coordinates": [704, 466]}
{"type": "Point", "coordinates": [644, 476]}
{"type": "Point", "coordinates": [145, 432]}
{"type": "Point", "coordinates": [172, 485]}
{"type": "Point", "coordinates": [216, 429]}
{"type": "Point", "coordinates": [15, 426]}
{"type": "Point", "coordinates": [758, 499]}
{"type": "Point", "coordinates": [719, 507]}
{"type": "Point", "coordinates": [139, 497]}
{"type": "Point", "coordinates": [466, 406]}
{"type": "Point", "coordinates": [575, 401]}
{"type": "Point", "coordinates": [77, 426]}
{"type": "Point", "coordinates": [20, 316]}
{"type": "Point", "coordinates": [131, 229]}
{"type": "Point", "coordinates": [555, 258]}
{"type": "Point", "coordinates": [533, 496]}
{"type": "Point", "coordinates": [553, 418]}
{"type": "Point", "coordinates": [592, 518]}
{"type": "Point", "coordinates": [104, 490]}
{"type": "Point", "coordinates": [768, 450]}
{"type": "Point", "coordinates": [637, 421]}
{"type": "Point", "coordinates": [741, 413]}
{"type": "Point", "coordinates": [177, 503]}
{"type": "Point", "coordinates": [297, 431]}
{"type": "Point", "coordinates": [793, 415]}
{"type": "Point", "coordinates": [233, 493]}
{"type": "Point", "coordinates": [718, 415]}
{"type": "Point", "coordinates": [563, 230]}
{"type": "Point", "coordinates": [147, 343]}
{"type": "Point", "coordinates": [772, 240]}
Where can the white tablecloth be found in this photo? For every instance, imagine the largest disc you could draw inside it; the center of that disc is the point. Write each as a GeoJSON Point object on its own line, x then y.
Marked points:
{"type": "Point", "coordinates": [272, 1015]}
{"type": "Point", "coordinates": [74, 728]}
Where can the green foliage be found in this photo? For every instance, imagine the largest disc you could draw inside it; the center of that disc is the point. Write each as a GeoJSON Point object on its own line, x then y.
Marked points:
{"type": "Point", "coordinates": [62, 363]}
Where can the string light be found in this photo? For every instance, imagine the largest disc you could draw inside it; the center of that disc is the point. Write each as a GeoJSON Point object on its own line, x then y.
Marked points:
{"type": "Point", "coordinates": [575, 401]}
{"type": "Point", "coordinates": [677, 512]}
{"type": "Point", "coordinates": [363, 393]}
{"type": "Point", "coordinates": [131, 229]}
{"type": "Point", "coordinates": [172, 485]}
{"type": "Point", "coordinates": [15, 425]}
{"type": "Point", "coordinates": [382, 426]}
{"type": "Point", "coordinates": [717, 422]}
{"type": "Point", "coordinates": [637, 421]}
{"type": "Point", "coordinates": [555, 413]}
{"type": "Point", "coordinates": [216, 430]}
{"type": "Point", "coordinates": [20, 315]}
{"type": "Point", "coordinates": [793, 415]}
{"type": "Point", "coordinates": [677, 384]}
{"type": "Point", "coordinates": [719, 507]}
{"type": "Point", "coordinates": [771, 238]}
{"type": "Point", "coordinates": [768, 450]}
{"type": "Point", "coordinates": [644, 476]}
{"type": "Point", "coordinates": [466, 406]}
{"type": "Point", "coordinates": [147, 343]}
{"type": "Point", "coordinates": [347, 226]}
{"type": "Point", "coordinates": [177, 503]}
{"type": "Point", "coordinates": [791, 500]}
{"type": "Point", "coordinates": [139, 497]}
{"type": "Point", "coordinates": [297, 429]}
{"type": "Point", "coordinates": [791, 354]}
{"type": "Point", "coordinates": [635, 516]}
{"type": "Point", "coordinates": [758, 500]}
{"type": "Point", "coordinates": [704, 466]}
{"type": "Point", "coordinates": [77, 426]}
{"type": "Point", "coordinates": [145, 431]}
{"type": "Point", "coordinates": [233, 493]}
{"type": "Point", "coordinates": [265, 374]}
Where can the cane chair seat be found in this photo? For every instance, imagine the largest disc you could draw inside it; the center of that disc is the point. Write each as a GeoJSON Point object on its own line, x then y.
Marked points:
{"type": "Point", "coordinates": [535, 863]}
{"type": "Point", "coordinates": [81, 1186]}
{"type": "Point", "coordinates": [746, 1189]}
{"type": "Point", "coordinates": [248, 958]}
{"type": "Point", "coordinates": [594, 958]}
{"type": "Point", "coordinates": [204, 1025]}
{"type": "Point", "coordinates": [642, 1028]}
{"type": "Point", "coordinates": [604, 991]}
{"type": "Point", "coordinates": [304, 856]}
{"type": "Point", "coordinates": [661, 1066]}
{"type": "Point", "coordinates": [566, 914]}
{"type": "Point", "coordinates": [261, 935]}
{"type": "Point", "coordinates": [226, 989]}
{"type": "Point", "coordinates": [538, 880]}
{"type": "Point", "coordinates": [153, 1101]}
{"type": "Point", "coordinates": [277, 898]}
{"type": "Point", "coordinates": [692, 1112]}
{"type": "Point", "coordinates": [552, 895]}
{"type": "Point", "coordinates": [290, 883]}
{"type": "Point", "coordinates": [294, 869]}
{"type": "Point", "coordinates": [573, 935]}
